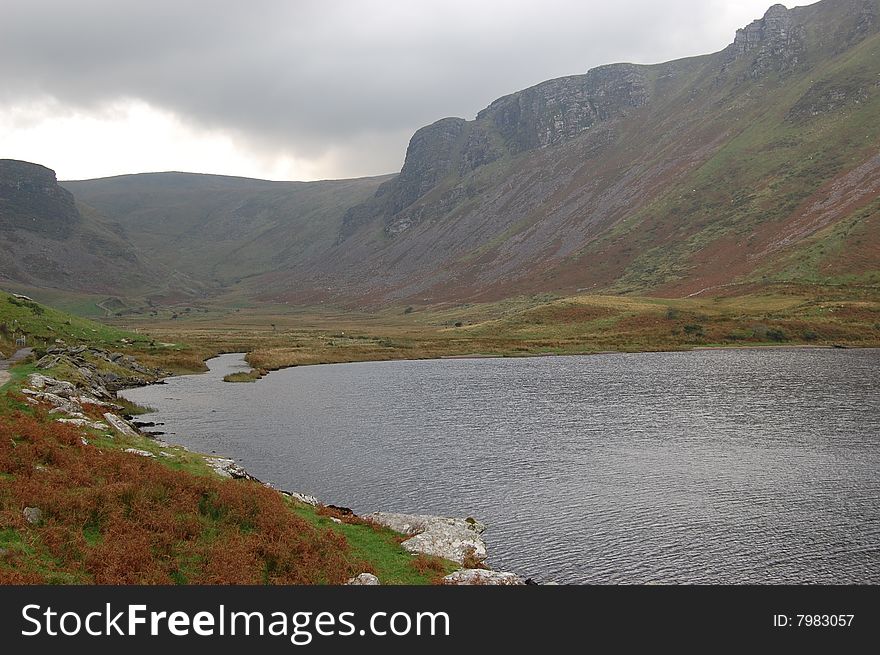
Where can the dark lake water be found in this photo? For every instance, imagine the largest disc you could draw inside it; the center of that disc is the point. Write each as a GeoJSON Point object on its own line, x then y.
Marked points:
{"type": "Point", "coordinates": [738, 466]}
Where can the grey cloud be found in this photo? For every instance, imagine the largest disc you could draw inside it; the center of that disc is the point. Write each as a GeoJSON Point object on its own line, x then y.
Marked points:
{"type": "Point", "coordinates": [317, 79]}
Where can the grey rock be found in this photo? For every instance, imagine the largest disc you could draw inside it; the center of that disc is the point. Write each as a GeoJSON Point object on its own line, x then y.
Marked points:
{"type": "Point", "coordinates": [482, 577]}
{"type": "Point", "coordinates": [121, 426]}
{"type": "Point", "coordinates": [451, 538]}
{"type": "Point", "coordinates": [33, 515]}
{"type": "Point", "coordinates": [58, 403]}
{"type": "Point", "coordinates": [303, 498]}
{"type": "Point", "coordinates": [227, 468]}
{"type": "Point", "coordinates": [51, 385]}
{"type": "Point", "coordinates": [364, 579]}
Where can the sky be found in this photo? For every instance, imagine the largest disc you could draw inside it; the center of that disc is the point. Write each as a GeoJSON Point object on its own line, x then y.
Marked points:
{"type": "Point", "coordinates": [301, 89]}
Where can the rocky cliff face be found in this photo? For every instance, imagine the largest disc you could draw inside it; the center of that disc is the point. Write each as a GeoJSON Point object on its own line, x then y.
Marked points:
{"type": "Point", "coordinates": [442, 157]}
{"type": "Point", "coordinates": [559, 110]}
{"type": "Point", "coordinates": [46, 240]}
{"type": "Point", "coordinates": [32, 200]}
{"type": "Point", "coordinates": [627, 175]}
{"type": "Point", "coordinates": [773, 43]}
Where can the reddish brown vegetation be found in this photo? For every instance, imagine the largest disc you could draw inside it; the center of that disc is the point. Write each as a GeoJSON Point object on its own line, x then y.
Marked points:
{"type": "Point", "coordinates": [430, 566]}
{"type": "Point", "coordinates": [114, 518]}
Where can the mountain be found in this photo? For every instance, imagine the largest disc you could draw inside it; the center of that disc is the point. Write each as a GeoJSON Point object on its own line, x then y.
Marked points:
{"type": "Point", "coordinates": [220, 229]}
{"type": "Point", "coordinates": [49, 240]}
{"type": "Point", "coordinates": [753, 165]}
{"type": "Point", "coordinates": [757, 165]}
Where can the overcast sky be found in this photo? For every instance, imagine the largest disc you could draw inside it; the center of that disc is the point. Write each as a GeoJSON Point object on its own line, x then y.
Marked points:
{"type": "Point", "coordinates": [301, 89]}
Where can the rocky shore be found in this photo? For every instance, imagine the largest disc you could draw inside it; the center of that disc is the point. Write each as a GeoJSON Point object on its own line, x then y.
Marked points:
{"type": "Point", "coordinates": [456, 539]}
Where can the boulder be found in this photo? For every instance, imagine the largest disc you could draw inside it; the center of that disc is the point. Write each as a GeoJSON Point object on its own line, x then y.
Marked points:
{"type": "Point", "coordinates": [482, 577]}
{"type": "Point", "coordinates": [33, 515]}
{"type": "Point", "coordinates": [451, 538]}
{"type": "Point", "coordinates": [120, 425]}
{"type": "Point", "coordinates": [364, 579]}
{"type": "Point", "coordinates": [51, 385]}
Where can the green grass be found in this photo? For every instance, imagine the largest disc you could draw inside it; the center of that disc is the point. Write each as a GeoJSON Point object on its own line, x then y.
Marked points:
{"type": "Point", "coordinates": [245, 376]}
{"type": "Point", "coordinates": [377, 545]}
{"type": "Point", "coordinates": [43, 325]}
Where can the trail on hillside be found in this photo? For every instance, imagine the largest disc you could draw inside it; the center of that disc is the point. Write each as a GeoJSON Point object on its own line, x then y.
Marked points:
{"type": "Point", "coordinates": [19, 355]}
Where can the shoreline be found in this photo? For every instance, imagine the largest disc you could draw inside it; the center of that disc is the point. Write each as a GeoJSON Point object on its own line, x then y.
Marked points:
{"type": "Point", "coordinates": [457, 539]}
{"type": "Point", "coordinates": [258, 374]}
{"type": "Point", "coordinates": [229, 466]}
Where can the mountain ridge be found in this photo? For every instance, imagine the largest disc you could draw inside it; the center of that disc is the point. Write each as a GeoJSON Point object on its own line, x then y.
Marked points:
{"type": "Point", "coordinates": [753, 165]}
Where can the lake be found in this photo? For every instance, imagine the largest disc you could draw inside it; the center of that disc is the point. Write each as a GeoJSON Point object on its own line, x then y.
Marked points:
{"type": "Point", "coordinates": [713, 466]}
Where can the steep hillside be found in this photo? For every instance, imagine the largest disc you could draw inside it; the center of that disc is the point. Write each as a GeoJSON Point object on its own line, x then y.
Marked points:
{"type": "Point", "coordinates": [219, 229]}
{"type": "Point", "coordinates": [49, 240]}
{"type": "Point", "coordinates": [756, 164]}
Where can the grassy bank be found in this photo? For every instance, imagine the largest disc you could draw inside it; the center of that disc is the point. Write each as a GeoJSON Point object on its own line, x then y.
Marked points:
{"type": "Point", "coordinates": [117, 509]}
{"type": "Point", "coordinates": [276, 337]}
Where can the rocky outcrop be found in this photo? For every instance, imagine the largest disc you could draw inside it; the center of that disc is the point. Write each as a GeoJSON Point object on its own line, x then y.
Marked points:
{"type": "Point", "coordinates": [227, 468]}
{"type": "Point", "coordinates": [827, 96]}
{"type": "Point", "coordinates": [442, 154]}
{"type": "Point", "coordinates": [303, 498]}
{"type": "Point", "coordinates": [451, 538]}
{"type": "Point", "coordinates": [559, 110]}
{"type": "Point", "coordinates": [432, 155]}
{"type": "Point", "coordinates": [99, 371]}
{"type": "Point", "coordinates": [32, 200]}
{"type": "Point", "coordinates": [773, 43]}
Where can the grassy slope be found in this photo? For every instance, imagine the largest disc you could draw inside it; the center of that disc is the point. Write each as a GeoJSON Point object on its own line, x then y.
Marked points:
{"type": "Point", "coordinates": [120, 518]}
{"type": "Point", "coordinates": [230, 228]}
{"type": "Point", "coordinates": [43, 325]}
{"type": "Point", "coordinates": [758, 179]}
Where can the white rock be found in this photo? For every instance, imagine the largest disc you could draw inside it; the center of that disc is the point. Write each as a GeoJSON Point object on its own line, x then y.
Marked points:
{"type": "Point", "coordinates": [303, 498]}
{"type": "Point", "coordinates": [450, 538]}
{"type": "Point", "coordinates": [137, 451]}
{"type": "Point", "coordinates": [364, 579]}
{"type": "Point", "coordinates": [121, 426]}
{"type": "Point", "coordinates": [482, 577]}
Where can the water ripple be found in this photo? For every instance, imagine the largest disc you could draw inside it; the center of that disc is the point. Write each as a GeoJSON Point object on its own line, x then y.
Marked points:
{"type": "Point", "coordinates": [753, 466]}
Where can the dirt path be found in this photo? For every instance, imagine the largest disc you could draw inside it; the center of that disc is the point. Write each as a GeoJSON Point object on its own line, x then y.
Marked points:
{"type": "Point", "coordinates": [5, 375]}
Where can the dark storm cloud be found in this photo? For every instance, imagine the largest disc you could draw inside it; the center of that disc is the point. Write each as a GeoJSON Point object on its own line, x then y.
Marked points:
{"type": "Point", "coordinates": [305, 77]}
